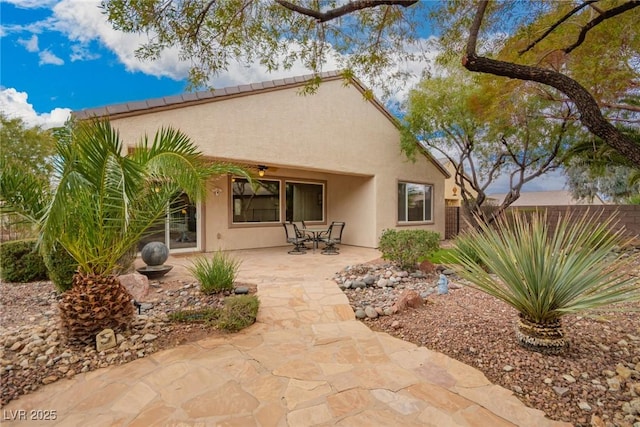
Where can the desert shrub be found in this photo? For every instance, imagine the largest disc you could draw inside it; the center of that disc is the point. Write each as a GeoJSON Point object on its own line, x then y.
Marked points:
{"type": "Point", "coordinates": [239, 312]}
{"type": "Point", "coordinates": [215, 274]}
{"type": "Point", "coordinates": [464, 248]}
{"type": "Point", "coordinates": [406, 247]}
{"type": "Point", "coordinates": [61, 267]}
{"type": "Point", "coordinates": [546, 272]}
{"type": "Point", "coordinates": [21, 262]}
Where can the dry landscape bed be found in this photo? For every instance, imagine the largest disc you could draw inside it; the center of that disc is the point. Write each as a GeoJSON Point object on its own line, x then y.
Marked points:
{"type": "Point", "coordinates": [597, 382]}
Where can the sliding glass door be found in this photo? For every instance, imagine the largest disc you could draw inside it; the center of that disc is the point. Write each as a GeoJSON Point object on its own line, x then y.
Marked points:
{"type": "Point", "coordinates": [179, 229]}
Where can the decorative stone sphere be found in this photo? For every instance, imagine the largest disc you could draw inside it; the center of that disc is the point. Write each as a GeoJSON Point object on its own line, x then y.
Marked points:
{"type": "Point", "coordinates": [155, 253]}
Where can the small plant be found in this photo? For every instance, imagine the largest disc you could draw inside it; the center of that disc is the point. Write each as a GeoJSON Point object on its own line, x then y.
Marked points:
{"type": "Point", "coordinates": [215, 274]}
{"type": "Point", "coordinates": [205, 315]}
{"type": "Point", "coordinates": [406, 247]}
{"type": "Point", "coordinates": [20, 262]}
{"type": "Point", "coordinates": [238, 312]}
{"type": "Point", "coordinates": [546, 273]}
{"type": "Point", "coordinates": [441, 256]}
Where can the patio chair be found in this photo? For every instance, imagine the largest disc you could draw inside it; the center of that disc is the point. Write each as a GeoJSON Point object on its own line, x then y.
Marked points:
{"type": "Point", "coordinates": [332, 237]}
{"type": "Point", "coordinates": [293, 237]}
{"type": "Point", "coordinates": [302, 234]}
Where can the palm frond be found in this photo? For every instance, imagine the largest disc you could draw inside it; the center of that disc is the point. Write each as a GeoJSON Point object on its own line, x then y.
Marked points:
{"type": "Point", "coordinates": [23, 195]}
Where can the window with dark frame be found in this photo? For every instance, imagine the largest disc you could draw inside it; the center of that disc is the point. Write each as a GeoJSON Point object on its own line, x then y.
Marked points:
{"type": "Point", "coordinates": [415, 202]}
{"type": "Point", "coordinates": [255, 202]}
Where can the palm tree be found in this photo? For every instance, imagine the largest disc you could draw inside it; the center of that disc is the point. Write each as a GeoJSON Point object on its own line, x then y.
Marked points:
{"type": "Point", "coordinates": [546, 273]}
{"type": "Point", "coordinates": [105, 201]}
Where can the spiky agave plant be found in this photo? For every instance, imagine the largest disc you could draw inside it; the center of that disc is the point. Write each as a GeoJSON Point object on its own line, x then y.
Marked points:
{"type": "Point", "coordinates": [105, 202]}
{"type": "Point", "coordinates": [547, 272]}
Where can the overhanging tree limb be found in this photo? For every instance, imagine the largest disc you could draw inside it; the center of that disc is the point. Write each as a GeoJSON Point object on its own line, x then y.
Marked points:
{"type": "Point", "coordinates": [555, 25]}
{"type": "Point", "coordinates": [348, 8]}
{"type": "Point", "coordinates": [590, 114]}
{"type": "Point", "coordinates": [599, 19]}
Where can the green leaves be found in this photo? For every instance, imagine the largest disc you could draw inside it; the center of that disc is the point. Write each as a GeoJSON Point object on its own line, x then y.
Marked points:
{"type": "Point", "coordinates": [107, 199]}
{"type": "Point", "coordinates": [369, 38]}
{"type": "Point", "coordinates": [546, 271]}
{"type": "Point", "coordinates": [215, 274]}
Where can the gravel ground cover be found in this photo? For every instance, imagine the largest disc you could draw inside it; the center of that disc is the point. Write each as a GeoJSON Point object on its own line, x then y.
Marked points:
{"type": "Point", "coordinates": [32, 352]}
{"type": "Point", "coordinates": [595, 383]}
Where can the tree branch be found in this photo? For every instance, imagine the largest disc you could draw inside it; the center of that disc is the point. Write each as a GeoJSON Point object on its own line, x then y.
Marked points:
{"type": "Point", "coordinates": [600, 18]}
{"type": "Point", "coordinates": [590, 114]}
{"type": "Point", "coordinates": [474, 30]}
{"type": "Point", "coordinates": [555, 25]}
{"type": "Point", "coordinates": [348, 8]}
{"type": "Point", "coordinates": [200, 19]}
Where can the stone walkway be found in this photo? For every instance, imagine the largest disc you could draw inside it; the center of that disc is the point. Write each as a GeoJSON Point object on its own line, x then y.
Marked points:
{"type": "Point", "coordinates": [306, 362]}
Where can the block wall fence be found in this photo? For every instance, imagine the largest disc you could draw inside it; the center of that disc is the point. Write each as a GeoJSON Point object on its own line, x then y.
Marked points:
{"type": "Point", "coordinates": [628, 216]}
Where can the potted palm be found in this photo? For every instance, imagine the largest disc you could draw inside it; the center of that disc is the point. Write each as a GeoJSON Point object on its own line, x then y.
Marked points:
{"type": "Point", "coordinates": [106, 199]}
{"type": "Point", "coordinates": [546, 273]}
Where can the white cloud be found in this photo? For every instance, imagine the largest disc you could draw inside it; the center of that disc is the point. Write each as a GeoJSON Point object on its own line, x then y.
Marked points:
{"type": "Point", "coordinates": [31, 4]}
{"type": "Point", "coordinates": [49, 58]}
{"type": "Point", "coordinates": [31, 44]}
{"type": "Point", "coordinates": [15, 104]}
{"type": "Point", "coordinates": [81, 52]}
{"type": "Point", "coordinates": [82, 21]}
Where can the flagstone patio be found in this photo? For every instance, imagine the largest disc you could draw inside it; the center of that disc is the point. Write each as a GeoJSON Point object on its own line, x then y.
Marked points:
{"type": "Point", "coordinates": [306, 362]}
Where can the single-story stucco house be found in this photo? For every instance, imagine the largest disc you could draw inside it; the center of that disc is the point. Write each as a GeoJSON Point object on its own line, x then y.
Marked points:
{"type": "Point", "coordinates": [330, 156]}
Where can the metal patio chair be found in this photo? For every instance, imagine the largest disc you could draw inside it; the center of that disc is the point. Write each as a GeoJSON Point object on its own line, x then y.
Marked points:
{"type": "Point", "coordinates": [332, 237]}
{"type": "Point", "coordinates": [295, 238]}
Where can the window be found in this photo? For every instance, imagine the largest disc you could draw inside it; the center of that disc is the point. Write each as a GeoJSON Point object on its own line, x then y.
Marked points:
{"type": "Point", "coordinates": [259, 202]}
{"type": "Point", "coordinates": [414, 202]}
{"type": "Point", "coordinates": [304, 201]}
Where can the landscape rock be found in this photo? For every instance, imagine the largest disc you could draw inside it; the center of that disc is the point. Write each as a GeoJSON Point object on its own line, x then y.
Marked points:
{"type": "Point", "coordinates": [409, 299]}
{"type": "Point", "coordinates": [137, 284]}
{"type": "Point", "coordinates": [371, 312]}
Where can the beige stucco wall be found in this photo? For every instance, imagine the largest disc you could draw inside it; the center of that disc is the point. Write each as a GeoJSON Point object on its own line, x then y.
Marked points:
{"type": "Point", "coordinates": [454, 198]}
{"type": "Point", "coordinates": [334, 136]}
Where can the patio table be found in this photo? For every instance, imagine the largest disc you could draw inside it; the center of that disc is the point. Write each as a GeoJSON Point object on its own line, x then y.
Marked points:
{"type": "Point", "coordinates": [315, 234]}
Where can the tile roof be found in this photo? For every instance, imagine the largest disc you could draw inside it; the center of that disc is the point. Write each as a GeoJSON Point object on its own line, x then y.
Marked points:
{"type": "Point", "coordinates": [141, 107]}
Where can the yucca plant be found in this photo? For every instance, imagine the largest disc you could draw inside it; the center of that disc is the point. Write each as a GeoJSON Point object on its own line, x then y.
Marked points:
{"type": "Point", "coordinates": [215, 274]}
{"type": "Point", "coordinates": [105, 201]}
{"type": "Point", "coordinates": [547, 272]}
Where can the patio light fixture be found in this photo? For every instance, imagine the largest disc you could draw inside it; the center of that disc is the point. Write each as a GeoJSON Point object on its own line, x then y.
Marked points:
{"type": "Point", "coordinates": [262, 169]}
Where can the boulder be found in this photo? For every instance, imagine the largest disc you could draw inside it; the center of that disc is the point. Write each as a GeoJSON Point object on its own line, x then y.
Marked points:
{"type": "Point", "coordinates": [408, 299]}
{"type": "Point", "coordinates": [427, 267]}
{"type": "Point", "coordinates": [137, 285]}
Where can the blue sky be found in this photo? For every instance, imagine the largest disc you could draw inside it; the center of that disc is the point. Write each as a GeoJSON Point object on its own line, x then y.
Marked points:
{"type": "Point", "coordinates": [60, 56]}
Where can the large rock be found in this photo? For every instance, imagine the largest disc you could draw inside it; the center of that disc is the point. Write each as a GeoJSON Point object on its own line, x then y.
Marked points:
{"type": "Point", "coordinates": [408, 299]}
{"type": "Point", "coordinates": [137, 285]}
